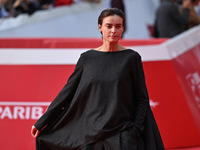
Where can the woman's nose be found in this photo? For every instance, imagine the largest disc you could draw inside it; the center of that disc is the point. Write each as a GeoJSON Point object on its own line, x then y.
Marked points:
{"type": "Point", "coordinates": [113, 29]}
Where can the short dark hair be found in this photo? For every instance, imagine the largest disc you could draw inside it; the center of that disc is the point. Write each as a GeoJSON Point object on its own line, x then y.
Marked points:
{"type": "Point", "coordinates": [111, 12]}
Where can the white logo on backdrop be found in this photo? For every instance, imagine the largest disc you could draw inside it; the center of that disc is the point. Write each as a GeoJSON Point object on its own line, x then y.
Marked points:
{"type": "Point", "coordinates": [22, 110]}
{"type": "Point", "coordinates": [193, 80]}
{"type": "Point", "coordinates": [153, 104]}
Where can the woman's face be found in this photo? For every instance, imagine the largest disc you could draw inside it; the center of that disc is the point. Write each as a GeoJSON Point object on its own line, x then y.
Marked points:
{"type": "Point", "coordinates": [111, 28]}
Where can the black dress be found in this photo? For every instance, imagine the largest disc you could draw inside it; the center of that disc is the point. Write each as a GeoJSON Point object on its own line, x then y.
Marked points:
{"type": "Point", "coordinates": [103, 106]}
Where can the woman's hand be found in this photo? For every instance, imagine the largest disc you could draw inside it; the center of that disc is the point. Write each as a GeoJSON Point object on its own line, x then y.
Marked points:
{"type": "Point", "coordinates": [34, 132]}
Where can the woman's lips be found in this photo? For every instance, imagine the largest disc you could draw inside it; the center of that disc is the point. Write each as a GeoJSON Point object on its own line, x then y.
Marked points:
{"type": "Point", "coordinates": [112, 36]}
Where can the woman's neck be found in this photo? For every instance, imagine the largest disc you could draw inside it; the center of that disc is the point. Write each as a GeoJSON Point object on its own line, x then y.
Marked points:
{"type": "Point", "coordinates": [110, 47]}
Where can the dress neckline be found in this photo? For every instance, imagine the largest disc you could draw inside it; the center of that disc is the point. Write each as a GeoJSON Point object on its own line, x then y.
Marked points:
{"type": "Point", "coordinates": [110, 52]}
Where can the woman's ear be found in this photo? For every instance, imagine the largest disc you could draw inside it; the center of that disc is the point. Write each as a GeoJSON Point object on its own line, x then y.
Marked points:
{"type": "Point", "coordinates": [99, 26]}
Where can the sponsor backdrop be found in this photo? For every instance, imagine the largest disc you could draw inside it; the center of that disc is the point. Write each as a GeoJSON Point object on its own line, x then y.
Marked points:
{"type": "Point", "coordinates": [33, 71]}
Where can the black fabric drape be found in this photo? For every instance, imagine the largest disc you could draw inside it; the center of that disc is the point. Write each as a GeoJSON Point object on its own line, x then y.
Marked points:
{"type": "Point", "coordinates": [103, 106]}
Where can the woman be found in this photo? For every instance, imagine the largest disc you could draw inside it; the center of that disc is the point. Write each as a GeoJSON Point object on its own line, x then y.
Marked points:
{"type": "Point", "coordinates": [105, 104]}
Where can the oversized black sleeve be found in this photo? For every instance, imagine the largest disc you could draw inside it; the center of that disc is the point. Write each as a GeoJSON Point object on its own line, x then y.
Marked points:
{"type": "Point", "coordinates": [64, 98]}
{"type": "Point", "coordinates": [141, 97]}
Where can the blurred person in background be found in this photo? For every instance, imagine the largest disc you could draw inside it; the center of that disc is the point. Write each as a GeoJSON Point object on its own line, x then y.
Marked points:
{"type": "Point", "coordinates": [46, 4]}
{"type": "Point", "coordinates": [194, 19]}
{"type": "Point", "coordinates": [23, 7]}
{"type": "Point", "coordinates": [5, 8]}
{"type": "Point", "coordinates": [169, 21]}
{"type": "Point", "coordinates": [118, 4]}
{"type": "Point", "coordinates": [36, 3]}
{"type": "Point", "coordinates": [197, 9]}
